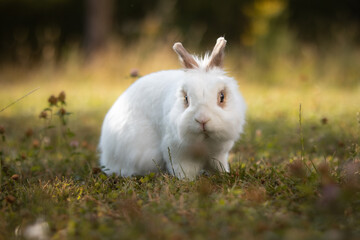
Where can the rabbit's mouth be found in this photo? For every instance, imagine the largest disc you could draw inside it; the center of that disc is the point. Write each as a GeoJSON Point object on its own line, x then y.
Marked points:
{"type": "Point", "coordinates": [204, 131]}
{"type": "Point", "coordinates": [200, 136]}
{"type": "Point", "coordinates": [203, 134]}
{"type": "Point", "coordinates": [206, 134]}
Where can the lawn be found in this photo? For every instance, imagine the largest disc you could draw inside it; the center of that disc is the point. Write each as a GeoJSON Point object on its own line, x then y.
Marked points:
{"type": "Point", "coordinates": [295, 173]}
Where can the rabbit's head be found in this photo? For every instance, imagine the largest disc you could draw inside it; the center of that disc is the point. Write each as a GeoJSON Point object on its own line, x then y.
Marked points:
{"type": "Point", "coordinates": [208, 103]}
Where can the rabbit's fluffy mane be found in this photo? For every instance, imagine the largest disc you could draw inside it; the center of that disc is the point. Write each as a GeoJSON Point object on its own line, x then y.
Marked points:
{"type": "Point", "coordinates": [203, 64]}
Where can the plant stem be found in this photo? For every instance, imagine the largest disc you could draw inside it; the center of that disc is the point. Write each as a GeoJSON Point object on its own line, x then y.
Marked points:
{"type": "Point", "coordinates": [302, 144]}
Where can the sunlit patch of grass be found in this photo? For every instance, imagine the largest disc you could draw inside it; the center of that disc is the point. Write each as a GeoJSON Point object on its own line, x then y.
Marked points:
{"type": "Point", "coordinates": [50, 175]}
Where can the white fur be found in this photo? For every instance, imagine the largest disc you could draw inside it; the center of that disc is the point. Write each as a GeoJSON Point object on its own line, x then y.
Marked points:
{"type": "Point", "coordinates": [149, 128]}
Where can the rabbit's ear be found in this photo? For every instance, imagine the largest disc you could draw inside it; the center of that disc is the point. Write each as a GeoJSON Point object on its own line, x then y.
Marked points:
{"type": "Point", "coordinates": [217, 55]}
{"type": "Point", "coordinates": [186, 59]}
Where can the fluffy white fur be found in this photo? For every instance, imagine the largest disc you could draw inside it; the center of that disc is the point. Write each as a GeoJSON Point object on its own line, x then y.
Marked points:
{"type": "Point", "coordinates": [150, 128]}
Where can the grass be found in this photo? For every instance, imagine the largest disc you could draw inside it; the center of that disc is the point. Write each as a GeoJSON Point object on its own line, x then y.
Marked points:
{"type": "Point", "coordinates": [286, 182]}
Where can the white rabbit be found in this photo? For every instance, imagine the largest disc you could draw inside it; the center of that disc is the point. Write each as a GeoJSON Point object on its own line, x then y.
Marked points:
{"type": "Point", "coordinates": [183, 121]}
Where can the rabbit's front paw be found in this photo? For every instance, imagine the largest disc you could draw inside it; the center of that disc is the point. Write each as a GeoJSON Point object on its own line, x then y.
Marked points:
{"type": "Point", "coordinates": [185, 170]}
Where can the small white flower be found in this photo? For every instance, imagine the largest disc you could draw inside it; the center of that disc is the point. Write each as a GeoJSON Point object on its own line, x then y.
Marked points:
{"type": "Point", "coordinates": [39, 230]}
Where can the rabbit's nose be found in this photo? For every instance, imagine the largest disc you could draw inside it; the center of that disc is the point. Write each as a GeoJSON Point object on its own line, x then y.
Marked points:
{"type": "Point", "coordinates": [202, 121]}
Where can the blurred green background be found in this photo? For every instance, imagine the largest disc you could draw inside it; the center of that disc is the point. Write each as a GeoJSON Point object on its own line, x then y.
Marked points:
{"type": "Point", "coordinates": [32, 30]}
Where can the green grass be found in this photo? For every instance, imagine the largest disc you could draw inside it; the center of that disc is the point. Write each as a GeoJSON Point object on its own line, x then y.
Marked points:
{"type": "Point", "coordinates": [286, 182]}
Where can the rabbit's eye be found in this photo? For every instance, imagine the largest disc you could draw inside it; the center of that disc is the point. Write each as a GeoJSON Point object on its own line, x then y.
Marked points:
{"type": "Point", "coordinates": [221, 98]}
{"type": "Point", "coordinates": [186, 100]}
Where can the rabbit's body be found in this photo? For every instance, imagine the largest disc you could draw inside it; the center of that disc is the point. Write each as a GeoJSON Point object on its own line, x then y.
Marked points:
{"type": "Point", "coordinates": [133, 125]}
{"type": "Point", "coordinates": [176, 120]}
